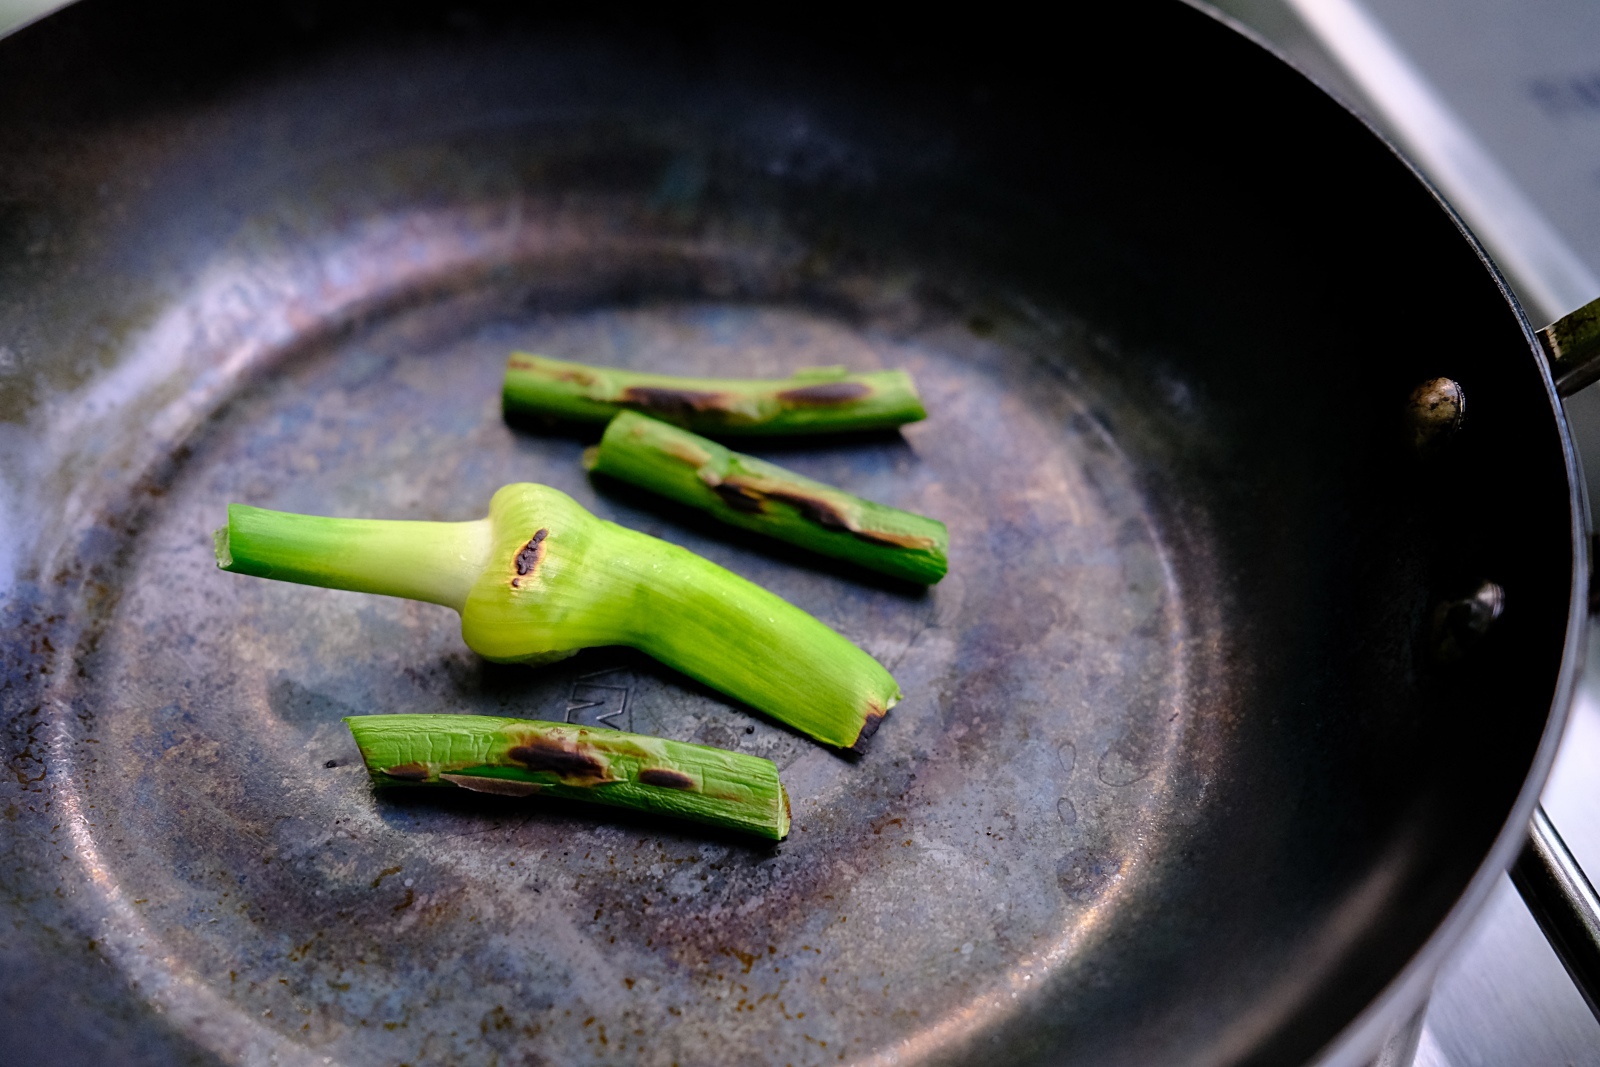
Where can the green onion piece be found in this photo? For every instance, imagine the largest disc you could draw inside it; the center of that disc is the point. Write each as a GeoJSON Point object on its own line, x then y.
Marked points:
{"type": "Point", "coordinates": [756, 495]}
{"type": "Point", "coordinates": [541, 578]}
{"type": "Point", "coordinates": [819, 400]}
{"type": "Point", "coordinates": [523, 757]}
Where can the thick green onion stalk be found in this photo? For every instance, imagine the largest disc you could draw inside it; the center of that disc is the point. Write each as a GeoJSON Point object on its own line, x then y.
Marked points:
{"type": "Point", "coordinates": [817, 400]}
{"type": "Point", "coordinates": [541, 578]}
{"type": "Point", "coordinates": [522, 757]}
{"type": "Point", "coordinates": [756, 495]}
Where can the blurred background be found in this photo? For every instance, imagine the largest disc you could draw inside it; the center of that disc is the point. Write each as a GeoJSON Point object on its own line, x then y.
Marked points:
{"type": "Point", "coordinates": [14, 13]}
{"type": "Point", "coordinates": [1497, 102]}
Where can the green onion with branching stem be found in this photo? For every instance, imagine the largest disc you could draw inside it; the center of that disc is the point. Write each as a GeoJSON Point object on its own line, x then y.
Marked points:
{"type": "Point", "coordinates": [756, 495]}
{"type": "Point", "coordinates": [817, 400]}
{"type": "Point", "coordinates": [522, 757]}
{"type": "Point", "coordinates": [541, 578]}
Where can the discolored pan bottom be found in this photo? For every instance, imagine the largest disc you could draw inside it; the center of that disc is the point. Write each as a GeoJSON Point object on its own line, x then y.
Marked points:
{"type": "Point", "coordinates": [1180, 775]}
{"type": "Point", "coordinates": [1002, 818]}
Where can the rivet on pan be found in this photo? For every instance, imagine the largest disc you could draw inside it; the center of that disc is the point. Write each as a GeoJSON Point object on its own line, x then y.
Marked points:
{"type": "Point", "coordinates": [1435, 411]}
{"type": "Point", "coordinates": [1460, 624]}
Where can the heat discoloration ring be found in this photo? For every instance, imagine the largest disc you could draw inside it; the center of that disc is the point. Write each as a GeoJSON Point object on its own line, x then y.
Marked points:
{"type": "Point", "coordinates": [408, 772]}
{"type": "Point", "coordinates": [503, 787]}
{"type": "Point", "coordinates": [666, 778]}
{"type": "Point", "coordinates": [575, 763]}
{"type": "Point", "coordinates": [678, 402]}
{"type": "Point", "coordinates": [528, 557]}
{"type": "Point", "coordinates": [825, 394]}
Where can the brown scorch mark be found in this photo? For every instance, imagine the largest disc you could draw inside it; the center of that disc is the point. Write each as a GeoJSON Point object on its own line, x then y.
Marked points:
{"type": "Point", "coordinates": [409, 772]}
{"type": "Point", "coordinates": [528, 557]}
{"type": "Point", "coordinates": [575, 764]}
{"type": "Point", "coordinates": [869, 727]}
{"type": "Point", "coordinates": [564, 374]}
{"type": "Point", "coordinates": [691, 454]}
{"type": "Point", "coordinates": [742, 496]}
{"type": "Point", "coordinates": [815, 508]}
{"type": "Point", "coordinates": [665, 778]}
{"type": "Point", "coordinates": [825, 394]}
{"type": "Point", "coordinates": [679, 402]}
{"type": "Point", "coordinates": [504, 787]}
{"type": "Point", "coordinates": [895, 540]}
{"type": "Point", "coordinates": [739, 497]}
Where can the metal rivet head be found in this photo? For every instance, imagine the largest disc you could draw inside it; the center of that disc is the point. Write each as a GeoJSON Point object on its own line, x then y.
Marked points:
{"type": "Point", "coordinates": [1460, 624]}
{"type": "Point", "coordinates": [1435, 411]}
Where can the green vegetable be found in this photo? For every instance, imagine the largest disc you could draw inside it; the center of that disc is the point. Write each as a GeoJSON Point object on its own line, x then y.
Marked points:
{"type": "Point", "coordinates": [522, 757]}
{"type": "Point", "coordinates": [751, 493]}
{"type": "Point", "coordinates": [819, 400]}
{"type": "Point", "coordinates": [540, 578]}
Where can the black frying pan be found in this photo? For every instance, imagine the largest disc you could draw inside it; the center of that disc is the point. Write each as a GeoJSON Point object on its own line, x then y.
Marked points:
{"type": "Point", "coordinates": [1234, 706]}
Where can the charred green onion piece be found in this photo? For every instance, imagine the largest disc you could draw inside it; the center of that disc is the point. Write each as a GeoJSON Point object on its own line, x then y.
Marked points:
{"type": "Point", "coordinates": [751, 493]}
{"type": "Point", "coordinates": [521, 757]}
{"type": "Point", "coordinates": [541, 578]}
{"type": "Point", "coordinates": [820, 400]}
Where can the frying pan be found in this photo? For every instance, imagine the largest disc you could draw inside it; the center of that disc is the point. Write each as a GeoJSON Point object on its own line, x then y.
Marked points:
{"type": "Point", "coordinates": [1236, 702]}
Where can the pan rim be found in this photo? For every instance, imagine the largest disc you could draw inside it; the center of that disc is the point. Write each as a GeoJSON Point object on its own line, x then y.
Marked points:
{"type": "Point", "coordinates": [1403, 1001]}
{"type": "Point", "coordinates": [1398, 1002]}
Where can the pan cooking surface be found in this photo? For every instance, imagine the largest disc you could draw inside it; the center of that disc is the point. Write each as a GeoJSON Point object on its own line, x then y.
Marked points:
{"type": "Point", "coordinates": [1178, 776]}
{"type": "Point", "coordinates": [1004, 815]}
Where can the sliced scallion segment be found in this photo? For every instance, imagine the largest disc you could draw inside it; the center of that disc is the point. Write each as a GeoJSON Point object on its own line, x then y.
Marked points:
{"type": "Point", "coordinates": [541, 578]}
{"type": "Point", "coordinates": [756, 495]}
{"type": "Point", "coordinates": [525, 757]}
{"type": "Point", "coordinates": [817, 400]}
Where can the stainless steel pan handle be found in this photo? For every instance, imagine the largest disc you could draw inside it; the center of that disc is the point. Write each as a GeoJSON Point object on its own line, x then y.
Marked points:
{"type": "Point", "coordinates": [1572, 345]}
{"type": "Point", "coordinates": [1563, 903]}
{"type": "Point", "coordinates": [1551, 882]}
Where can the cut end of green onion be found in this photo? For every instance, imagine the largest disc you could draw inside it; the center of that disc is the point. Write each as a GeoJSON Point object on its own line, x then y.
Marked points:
{"type": "Point", "coordinates": [219, 544]}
